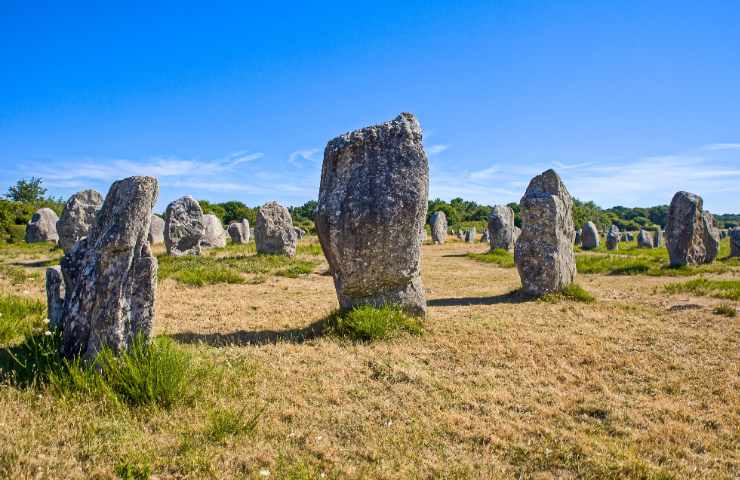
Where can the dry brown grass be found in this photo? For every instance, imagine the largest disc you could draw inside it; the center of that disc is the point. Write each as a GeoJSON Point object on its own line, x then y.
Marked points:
{"type": "Point", "coordinates": [497, 387]}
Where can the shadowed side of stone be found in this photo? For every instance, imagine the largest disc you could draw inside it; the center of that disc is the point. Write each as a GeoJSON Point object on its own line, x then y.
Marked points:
{"type": "Point", "coordinates": [691, 235]}
{"type": "Point", "coordinates": [501, 227]}
{"type": "Point", "coordinates": [371, 211]}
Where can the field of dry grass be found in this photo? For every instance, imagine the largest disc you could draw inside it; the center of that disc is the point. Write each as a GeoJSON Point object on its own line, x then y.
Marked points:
{"type": "Point", "coordinates": [642, 384]}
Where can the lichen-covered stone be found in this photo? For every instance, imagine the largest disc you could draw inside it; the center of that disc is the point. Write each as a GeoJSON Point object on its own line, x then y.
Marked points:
{"type": "Point", "coordinates": [734, 235]}
{"type": "Point", "coordinates": [544, 251]}
{"type": "Point", "coordinates": [589, 236]}
{"type": "Point", "coordinates": [691, 235]}
{"type": "Point", "coordinates": [156, 230]}
{"type": "Point", "coordinates": [42, 227]}
{"type": "Point", "coordinates": [645, 239]}
{"type": "Point", "coordinates": [274, 233]}
{"type": "Point", "coordinates": [239, 231]}
{"type": "Point", "coordinates": [214, 235]}
{"type": "Point", "coordinates": [110, 276]}
{"type": "Point", "coordinates": [438, 221]}
{"type": "Point", "coordinates": [77, 217]}
{"type": "Point", "coordinates": [372, 208]}
{"type": "Point", "coordinates": [612, 238]}
{"type": "Point", "coordinates": [501, 227]}
{"type": "Point", "coordinates": [184, 227]}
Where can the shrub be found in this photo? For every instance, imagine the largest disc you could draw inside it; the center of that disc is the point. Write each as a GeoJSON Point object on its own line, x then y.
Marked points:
{"type": "Point", "coordinates": [366, 323]}
{"type": "Point", "coordinates": [726, 310]}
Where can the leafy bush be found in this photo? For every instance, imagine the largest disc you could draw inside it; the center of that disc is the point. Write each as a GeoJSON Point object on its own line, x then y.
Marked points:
{"type": "Point", "coordinates": [366, 323]}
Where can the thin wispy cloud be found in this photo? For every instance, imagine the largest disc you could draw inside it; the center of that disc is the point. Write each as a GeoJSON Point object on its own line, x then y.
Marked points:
{"type": "Point", "coordinates": [436, 149]}
{"type": "Point", "coordinates": [721, 146]}
{"type": "Point", "coordinates": [237, 158]}
{"type": "Point", "coordinates": [299, 156]}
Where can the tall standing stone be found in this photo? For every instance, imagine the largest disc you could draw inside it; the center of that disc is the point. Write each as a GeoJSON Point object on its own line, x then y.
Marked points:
{"type": "Point", "coordinates": [612, 238]}
{"type": "Point", "coordinates": [470, 234]}
{"type": "Point", "coordinates": [578, 239]}
{"type": "Point", "coordinates": [239, 231]}
{"type": "Point", "coordinates": [691, 235]}
{"type": "Point", "coordinates": [184, 227]}
{"type": "Point", "coordinates": [42, 227]}
{"type": "Point", "coordinates": [110, 276]}
{"type": "Point", "coordinates": [438, 222]}
{"type": "Point", "coordinates": [590, 236]}
{"type": "Point", "coordinates": [77, 217]}
{"type": "Point", "coordinates": [501, 227]}
{"type": "Point", "coordinates": [544, 252]}
{"type": "Point", "coordinates": [156, 230]}
{"type": "Point", "coordinates": [273, 231]}
{"type": "Point", "coordinates": [645, 239]}
{"type": "Point", "coordinates": [214, 235]}
{"type": "Point", "coordinates": [372, 207]}
{"type": "Point", "coordinates": [734, 235]}
{"type": "Point", "coordinates": [658, 238]}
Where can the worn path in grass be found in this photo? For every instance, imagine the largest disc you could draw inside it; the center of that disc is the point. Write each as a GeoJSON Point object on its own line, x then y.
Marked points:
{"type": "Point", "coordinates": [496, 388]}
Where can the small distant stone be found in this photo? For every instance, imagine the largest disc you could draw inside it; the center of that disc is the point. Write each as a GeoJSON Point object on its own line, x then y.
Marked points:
{"type": "Point", "coordinates": [590, 236]}
{"type": "Point", "coordinates": [156, 230]}
{"type": "Point", "coordinates": [274, 233]}
{"type": "Point", "coordinates": [214, 235]}
{"type": "Point", "coordinates": [77, 217]}
{"type": "Point", "coordinates": [612, 238]}
{"type": "Point", "coordinates": [184, 227]}
{"type": "Point", "coordinates": [438, 222]}
{"type": "Point", "coordinates": [501, 227]}
{"type": "Point", "coordinates": [239, 231]}
{"type": "Point", "coordinates": [692, 237]}
{"type": "Point", "coordinates": [42, 227]}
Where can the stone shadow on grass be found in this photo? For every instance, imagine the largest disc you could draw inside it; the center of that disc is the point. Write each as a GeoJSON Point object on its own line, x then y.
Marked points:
{"type": "Point", "coordinates": [515, 296]}
{"type": "Point", "coordinates": [257, 337]}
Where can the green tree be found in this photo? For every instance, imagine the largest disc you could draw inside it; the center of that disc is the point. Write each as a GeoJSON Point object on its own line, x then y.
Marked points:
{"type": "Point", "coordinates": [27, 191]}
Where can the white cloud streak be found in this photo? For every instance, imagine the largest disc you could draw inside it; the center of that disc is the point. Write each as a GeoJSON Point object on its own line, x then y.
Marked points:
{"type": "Point", "coordinates": [433, 150]}
{"type": "Point", "coordinates": [721, 146]}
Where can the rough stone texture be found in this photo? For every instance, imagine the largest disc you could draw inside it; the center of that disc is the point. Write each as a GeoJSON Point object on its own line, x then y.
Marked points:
{"type": "Point", "coordinates": [239, 231]}
{"type": "Point", "coordinates": [274, 232]}
{"type": "Point", "coordinates": [372, 208]}
{"type": "Point", "coordinates": [578, 238]}
{"type": "Point", "coordinates": [658, 238]}
{"type": "Point", "coordinates": [156, 230]}
{"type": "Point", "coordinates": [438, 221]}
{"type": "Point", "coordinates": [544, 252]}
{"type": "Point", "coordinates": [110, 277]}
{"type": "Point", "coordinates": [690, 235]}
{"type": "Point", "coordinates": [470, 235]}
{"type": "Point", "coordinates": [54, 297]}
{"type": "Point", "coordinates": [214, 235]}
{"type": "Point", "coordinates": [501, 227]}
{"type": "Point", "coordinates": [734, 235]}
{"type": "Point", "coordinates": [590, 236]}
{"type": "Point", "coordinates": [77, 217]}
{"type": "Point", "coordinates": [184, 227]}
{"type": "Point", "coordinates": [517, 234]}
{"type": "Point", "coordinates": [644, 239]}
{"type": "Point", "coordinates": [42, 227]}
{"type": "Point", "coordinates": [612, 238]}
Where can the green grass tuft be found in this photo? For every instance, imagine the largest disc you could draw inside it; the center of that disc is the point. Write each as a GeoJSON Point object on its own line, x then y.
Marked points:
{"type": "Point", "coordinates": [17, 275]}
{"type": "Point", "coordinates": [367, 324]}
{"type": "Point", "coordinates": [201, 276]}
{"type": "Point", "coordinates": [726, 310]}
{"type": "Point", "coordinates": [19, 317]}
{"type": "Point", "coordinates": [727, 289]}
{"type": "Point", "coordinates": [499, 256]}
{"type": "Point", "coordinates": [230, 423]}
{"type": "Point", "coordinates": [572, 292]}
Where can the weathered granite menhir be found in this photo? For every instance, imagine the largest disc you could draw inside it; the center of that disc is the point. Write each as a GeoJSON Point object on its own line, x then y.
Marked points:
{"type": "Point", "coordinates": [109, 277]}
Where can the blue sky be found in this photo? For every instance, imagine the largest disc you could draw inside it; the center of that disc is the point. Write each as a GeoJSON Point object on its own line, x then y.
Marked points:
{"type": "Point", "coordinates": [629, 101]}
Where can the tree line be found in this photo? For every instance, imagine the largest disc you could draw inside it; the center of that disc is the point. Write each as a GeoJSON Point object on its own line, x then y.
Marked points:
{"type": "Point", "coordinates": [27, 196]}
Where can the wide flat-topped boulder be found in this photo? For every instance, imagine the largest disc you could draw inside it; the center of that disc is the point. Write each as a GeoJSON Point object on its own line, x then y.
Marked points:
{"type": "Point", "coordinates": [372, 209]}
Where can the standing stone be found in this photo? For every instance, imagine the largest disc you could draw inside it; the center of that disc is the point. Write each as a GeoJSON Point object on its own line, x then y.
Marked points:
{"type": "Point", "coordinates": [42, 227]}
{"type": "Point", "coordinates": [578, 238]}
{"type": "Point", "coordinates": [77, 217]}
{"type": "Point", "coordinates": [612, 238]}
{"type": "Point", "coordinates": [517, 233]}
{"type": "Point", "coordinates": [156, 230]}
{"type": "Point", "coordinates": [214, 235]}
{"type": "Point", "coordinates": [372, 207]}
{"type": "Point", "coordinates": [691, 235]}
{"type": "Point", "coordinates": [590, 236]}
{"type": "Point", "coordinates": [544, 252]}
{"type": "Point", "coordinates": [628, 236]}
{"type": "Point", "coordinates": [110, 277]}
{"type": "Point", "coordinates": [184, 227]}
{"type": "Point", "coordinates": [470, 234]}
{"type": "Point", "coordinates": [300, 233]}
{"type": "Point", "coordinates": [644, 239]}
{"type": "Point", "coordinates": [54, 297]}
{"type": "Point", "coordinates": [658, 238]}
{"type": "Point", "coordinates": [734, 235]}
{"type": "Point", "coordinates": [439, 227]}
{"type": "Point", "coordinates": [501, 227]}
{"type": "Point", "coordinates": [274, 232]}
{"type": "Point", "coordinates": [239, 231]}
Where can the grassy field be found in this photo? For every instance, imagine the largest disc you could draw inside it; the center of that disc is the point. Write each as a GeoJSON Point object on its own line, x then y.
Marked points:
{"type": "Point", "coordinates": [629, 377]}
